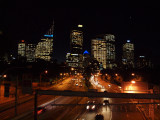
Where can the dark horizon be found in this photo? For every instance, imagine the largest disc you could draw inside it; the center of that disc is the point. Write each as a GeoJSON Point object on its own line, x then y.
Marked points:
{"type": "Point", "coordinates": [140, 25]}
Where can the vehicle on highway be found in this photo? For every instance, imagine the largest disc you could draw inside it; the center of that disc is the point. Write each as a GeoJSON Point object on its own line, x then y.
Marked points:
{"type": "Point", "coordinates": [91, 105]}
{"type": "Point", "coordinates": [99, 117]}
{"type": "Point", "coordinates": [41, 110]}
{"type": "Point", "coordinates": [105, 102]}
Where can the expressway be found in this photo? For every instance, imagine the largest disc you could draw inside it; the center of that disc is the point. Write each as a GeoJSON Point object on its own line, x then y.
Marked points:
{"type": "Point", "coordinates": [74, 112]}
{"type": "Point", "coordinates": [27, 107]}
{"type": "Point", "coordinates": [110, 112]}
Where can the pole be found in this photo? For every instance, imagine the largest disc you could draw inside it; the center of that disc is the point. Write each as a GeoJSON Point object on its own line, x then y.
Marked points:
{"type": "Point", "coordinates": [35, 105]}
{"type": "Point", "coordinates": [151, 107]}
{"type": "Point", "coordinates": [16, 96]}
{"type": "Point", "coordinates": [40, 80]}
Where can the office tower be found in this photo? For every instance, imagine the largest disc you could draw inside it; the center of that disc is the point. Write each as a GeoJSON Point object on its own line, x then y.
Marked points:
{"type": "Point", "coordinates": [99, 50]}
{"type": "Point", "coordinates": [128, 54]}
{"type": "Point", "coordinates": [44, 49]}
{"type": "Point", "coordinates": [103, 50]}
{"type": "Point", "coordinates": [76, 44]}
{"type": "Point", "coordinates": [110, 47]}
{"type": "Point", "coordinates": [143, 63]}
{"type": "Point", "coordinates": [72, 60]}
{"type": "Point", "coordinates": [30, 52]}
{"type": "Point", "coordinates": [21, 49]}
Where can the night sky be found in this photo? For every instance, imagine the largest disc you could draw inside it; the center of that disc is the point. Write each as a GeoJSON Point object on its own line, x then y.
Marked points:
{"type": "Point", "coordinates": [140, 24]}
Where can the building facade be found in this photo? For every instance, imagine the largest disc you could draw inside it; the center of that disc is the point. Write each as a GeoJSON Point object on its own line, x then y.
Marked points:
{"type": "Point", "coordinates": [142, 63]}
{"type": "Point", "coordinates": [30, 52]}
{"type": "Point", "coordinates": [99, 50]}
{"type": "Point", "coordinates": [111, 54]}
{"type": "Point", "coordinates": [75, 57]}
{"type": "Point", "coordinates": [21, 49]}
{"type": "Point", "coordinates": [103, 50]}
{"type": "Point", "coordinates": [44, 49]}
{"type": "Point", "coordinates": [128, 54]}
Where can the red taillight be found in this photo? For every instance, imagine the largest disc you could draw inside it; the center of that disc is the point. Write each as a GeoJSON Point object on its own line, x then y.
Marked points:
{"type": "Point", "coordinates": [38, 112]}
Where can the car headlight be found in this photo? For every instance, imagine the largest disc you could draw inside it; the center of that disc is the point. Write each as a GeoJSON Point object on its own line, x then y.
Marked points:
{"type": "Point", "coordinates": [93, 107]}
{"type": "Point", "coordinates": [87, 107]}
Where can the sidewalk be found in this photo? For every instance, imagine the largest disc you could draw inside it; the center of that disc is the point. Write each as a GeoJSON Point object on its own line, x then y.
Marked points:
{"type": "Point", "coordinates": [8, 99]}
{"type": "Point", "coordinates": [4, 100]}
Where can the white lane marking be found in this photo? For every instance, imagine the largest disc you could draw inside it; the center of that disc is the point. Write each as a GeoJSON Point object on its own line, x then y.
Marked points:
{"type": "Point", "coordinates": [111, 116]}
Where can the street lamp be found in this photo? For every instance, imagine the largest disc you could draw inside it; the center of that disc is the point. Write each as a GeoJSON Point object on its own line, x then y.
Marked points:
{"type": "Point", "coordinates": [4, 76]}
{"type": "Point", "coordinates": [133, 82]}
{"type": "Point", "coordinates": [41, 76]}
{"type": "Point", "coordinates": [46, 71]}
{"type": "Point", "coordinates": [133, 74]}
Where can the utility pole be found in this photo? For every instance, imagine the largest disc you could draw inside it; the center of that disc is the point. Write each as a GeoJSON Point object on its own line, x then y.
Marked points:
{"type": "Point", "coordinates": [151, 107]}
{"type": "Point", "coordinates": [16, 96]}
{"type": "Point", "coordinates": [35, 105]}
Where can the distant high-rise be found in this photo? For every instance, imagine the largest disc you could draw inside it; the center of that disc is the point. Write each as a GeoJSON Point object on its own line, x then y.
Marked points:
{"type": "Point", "coordinates": [75, 58]}
{"type": "Point", "coordinates": [99, 50]}
{"type": "Point", "coordinates": [30, 52]}
{"type": "Point", "coordinates": [103, 50]}
{"type": "Point", "coordinates": [128, 54]}
{"type": "Point", "coordinates": [76, 41]}
{"type": "Point", "coordinates": [111, 55]}
{"type": "Point", "coordinates": [21, 49]}
{"type": "Point", "coordinates": [143, 63]}
{"type": "Point", "coordinates": [44, 49]}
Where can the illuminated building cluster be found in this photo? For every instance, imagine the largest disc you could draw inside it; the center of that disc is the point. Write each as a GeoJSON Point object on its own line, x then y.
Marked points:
{"type": "Point", "coordinates": [43, 50]}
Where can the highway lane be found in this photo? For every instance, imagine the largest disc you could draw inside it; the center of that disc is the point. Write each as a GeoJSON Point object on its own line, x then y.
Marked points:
{"type": "Point", "coordinates": [28, 106]}
{"type": "Point", "coordinates": [113, 112]}
{"type": "Point", "coordinates": [63, 112]}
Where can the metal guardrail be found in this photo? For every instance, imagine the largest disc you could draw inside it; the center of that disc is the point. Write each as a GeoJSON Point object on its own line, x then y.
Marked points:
{"type": "Point", "coordinates": [98, 94]}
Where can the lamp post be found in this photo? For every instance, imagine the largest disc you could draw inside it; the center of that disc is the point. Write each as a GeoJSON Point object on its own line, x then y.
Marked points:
{"type": "Point", "coordinates": [41, 76]}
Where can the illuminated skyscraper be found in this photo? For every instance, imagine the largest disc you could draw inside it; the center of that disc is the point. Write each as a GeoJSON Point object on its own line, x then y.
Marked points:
{"type": "Point", "coordinates": [21, 49]}
{"type": "Point", "coordinates": [44, 49]}
{"type": "Point", "coordinates": [111, 55]}
{"type": "Point", "coordinates": [76, 44]}
{"type": "Point", "coordinates": [143, 63]}
{"type": "Point", "coordinates": [128, 54]}
{"type": "Point", "coordinates": [99, 50]}
{"type": "Point", "coordinates": [30, 52]}
{"type": "Point", "coordinates": [76, 41]}
{"type": "Point", "coordinates": [103, 50]}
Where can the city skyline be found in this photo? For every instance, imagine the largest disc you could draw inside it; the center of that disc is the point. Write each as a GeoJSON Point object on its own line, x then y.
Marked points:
{"type": "Point", "coordinates": [136, 27]}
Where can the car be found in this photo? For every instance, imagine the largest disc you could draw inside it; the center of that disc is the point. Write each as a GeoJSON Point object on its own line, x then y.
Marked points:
{"type": "Point", "coordinates": [105, 91]}
{"type": "Point", "coordinates": [40, 110]}
{"type": "Point", "coordinates": [91, 105]}
{"type": "Point", "coordinates": [99, 117]}
{"type": "Point", "coordinates": [105, 102]}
